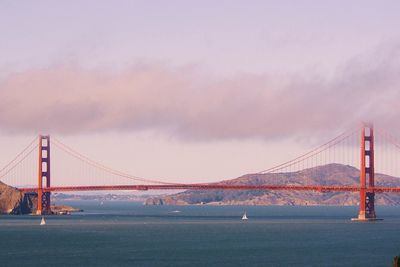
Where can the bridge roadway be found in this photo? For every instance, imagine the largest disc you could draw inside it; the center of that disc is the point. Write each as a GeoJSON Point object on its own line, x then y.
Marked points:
{"type": "Point", "coordinates": [316, 188]}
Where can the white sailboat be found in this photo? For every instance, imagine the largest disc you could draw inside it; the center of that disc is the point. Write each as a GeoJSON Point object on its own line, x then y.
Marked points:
{"type": "Point", "coordinates": [244, 217]}
{"type": "Point", "coordinates": [43, 222]}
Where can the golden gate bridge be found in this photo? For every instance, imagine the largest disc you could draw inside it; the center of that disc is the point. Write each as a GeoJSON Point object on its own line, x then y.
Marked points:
{"type": "Point", "coordinates": [357, 147]}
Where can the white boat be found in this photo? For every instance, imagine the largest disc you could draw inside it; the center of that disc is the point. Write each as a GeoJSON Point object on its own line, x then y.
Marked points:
{"type": "Point", "coordinates": [42, 222]}
{"type": "Point", "coordinates": [244, 217]}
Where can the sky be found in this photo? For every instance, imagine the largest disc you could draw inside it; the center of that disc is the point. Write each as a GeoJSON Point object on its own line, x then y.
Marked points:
{"type": "Point", "coordinates": [195, 91]}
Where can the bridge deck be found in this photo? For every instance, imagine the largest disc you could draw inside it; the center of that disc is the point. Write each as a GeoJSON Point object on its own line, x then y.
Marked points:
{"type": "Point", "coordinates": [316, 188]}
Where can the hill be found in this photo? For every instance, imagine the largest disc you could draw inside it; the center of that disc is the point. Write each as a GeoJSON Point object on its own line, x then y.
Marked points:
{"type": "Point", "coordinates": [13, 201]}
{"type": "Point", "coordinates": [331, 174]}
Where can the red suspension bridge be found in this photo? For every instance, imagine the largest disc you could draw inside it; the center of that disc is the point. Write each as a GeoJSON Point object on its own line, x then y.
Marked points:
{"type": "Point", "coordinates": [83, 174]}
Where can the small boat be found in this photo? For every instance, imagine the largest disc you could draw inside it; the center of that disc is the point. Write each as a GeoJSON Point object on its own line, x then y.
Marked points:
{"type": "Point", "coordinates": [244, 217]}
{"type": "Point", "coordinates": [43, 222]}
{"type": "Point", "coordinates": [176, 211]}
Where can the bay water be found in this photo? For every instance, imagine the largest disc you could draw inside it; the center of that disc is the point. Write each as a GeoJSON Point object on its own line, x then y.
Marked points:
{"type": "Point", "coordinates": [118, 233]}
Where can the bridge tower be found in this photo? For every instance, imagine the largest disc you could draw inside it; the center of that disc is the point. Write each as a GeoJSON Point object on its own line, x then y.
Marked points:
{"type": "Point", "coordinates": [43, 205]}
{"type": "Point", "coordinates": [367, 172]}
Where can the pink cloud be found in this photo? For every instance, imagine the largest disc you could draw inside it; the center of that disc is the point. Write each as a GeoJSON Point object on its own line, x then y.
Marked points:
{"type": "Point", "coordinates": [69, 99]}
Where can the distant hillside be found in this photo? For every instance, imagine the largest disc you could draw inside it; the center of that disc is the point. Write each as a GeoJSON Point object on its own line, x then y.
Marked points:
{"type": "Point", "coordinates": [331, 174]}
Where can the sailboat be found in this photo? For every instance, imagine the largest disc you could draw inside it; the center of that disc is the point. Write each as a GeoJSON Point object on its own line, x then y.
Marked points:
{"type": "Point", "coordinates": [42, 222]}
{"type": "Point", "coordinates": [244, 217]}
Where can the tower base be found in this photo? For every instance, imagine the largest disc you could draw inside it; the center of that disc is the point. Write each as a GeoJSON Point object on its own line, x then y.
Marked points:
{"type": "Point", "coordinates": [365, 219]}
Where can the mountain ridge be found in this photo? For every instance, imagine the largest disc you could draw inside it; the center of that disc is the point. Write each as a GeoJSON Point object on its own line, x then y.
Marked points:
{"type": "Point", "coordinates": [330, 174]}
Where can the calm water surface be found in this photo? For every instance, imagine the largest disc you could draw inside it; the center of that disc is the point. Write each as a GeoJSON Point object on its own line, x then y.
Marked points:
{"type": "Point", "coordinates": [129, 234]}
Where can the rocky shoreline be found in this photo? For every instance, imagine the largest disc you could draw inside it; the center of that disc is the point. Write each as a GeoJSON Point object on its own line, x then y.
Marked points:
{"type": "Point", "coordinates": [13, 201]}
{"type": "Point", "coordinates": [63, 209]}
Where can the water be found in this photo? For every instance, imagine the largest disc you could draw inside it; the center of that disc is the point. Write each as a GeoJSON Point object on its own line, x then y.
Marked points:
{"type": "Point", "coordinates": [129, 234]}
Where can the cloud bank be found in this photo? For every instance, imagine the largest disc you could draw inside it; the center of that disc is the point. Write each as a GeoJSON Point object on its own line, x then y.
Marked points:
{"type": "Point", "coordinates": [193, 105]}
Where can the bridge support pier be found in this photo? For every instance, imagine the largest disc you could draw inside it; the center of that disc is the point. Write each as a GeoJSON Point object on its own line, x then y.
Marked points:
{"type": "Point", "coordinates": [367, 172]}
{"type": "Point", "coordinates": [43, 205]}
